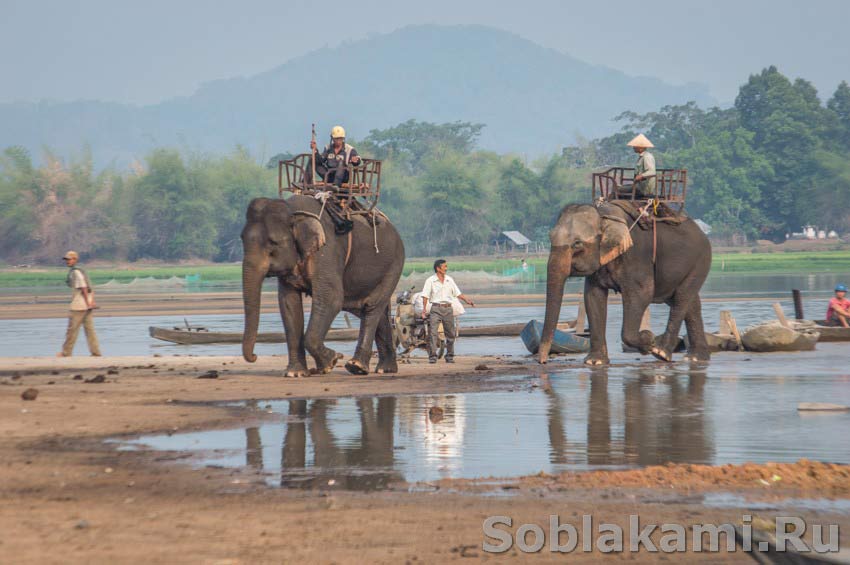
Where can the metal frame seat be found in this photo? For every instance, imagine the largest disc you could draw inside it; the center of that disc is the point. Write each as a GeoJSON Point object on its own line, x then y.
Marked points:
{"type": "Point", "coordinates": [364, 181]}
{"type": "Point", "coordinates": [618, 183]}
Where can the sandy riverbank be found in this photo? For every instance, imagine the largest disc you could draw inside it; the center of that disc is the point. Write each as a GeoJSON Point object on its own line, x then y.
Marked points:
{"type": "Point", "coordinates": [65, 496]}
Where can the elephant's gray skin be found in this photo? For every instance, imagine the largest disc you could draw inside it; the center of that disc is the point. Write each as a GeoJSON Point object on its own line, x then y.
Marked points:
{"type": "Point", "coordinates": [288, 239]}
{"type": "Point", "coordinates": [595, 242]}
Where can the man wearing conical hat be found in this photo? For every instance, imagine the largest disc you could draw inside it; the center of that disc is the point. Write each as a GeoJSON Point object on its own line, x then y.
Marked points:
{"type": "Point", "coordinates": [645, 167]}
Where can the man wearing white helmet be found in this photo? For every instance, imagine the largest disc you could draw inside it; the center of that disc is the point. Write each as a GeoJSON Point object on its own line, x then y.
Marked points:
{"type": "Point", "coordinates": [332, 163]}
{"type": "Point", "coordinates": [645, 167]}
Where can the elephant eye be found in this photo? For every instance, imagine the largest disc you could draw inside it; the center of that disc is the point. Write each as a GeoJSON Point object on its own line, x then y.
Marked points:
{"type": "Point", "coordinates": [578, 244]}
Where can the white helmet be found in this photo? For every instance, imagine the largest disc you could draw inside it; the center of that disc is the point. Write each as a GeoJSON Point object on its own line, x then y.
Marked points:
{"type": "Point", "coordinates": [337, 131]}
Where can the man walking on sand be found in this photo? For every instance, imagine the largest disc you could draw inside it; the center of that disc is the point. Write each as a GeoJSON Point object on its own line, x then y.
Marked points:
{"type": "Point", "coordinates": [440, 290]}
{"type": "Point", "coordinates": [82, 308]}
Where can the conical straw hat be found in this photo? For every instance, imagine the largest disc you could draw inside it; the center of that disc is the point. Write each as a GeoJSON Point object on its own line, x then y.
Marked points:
{"type": "Point", "coordinates": [640, 141]}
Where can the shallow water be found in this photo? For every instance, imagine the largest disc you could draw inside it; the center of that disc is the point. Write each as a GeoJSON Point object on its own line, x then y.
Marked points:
{"type": "Point", "coordinates": [129, 335]}
{"type": "Point", "coordinates": [737, 409]}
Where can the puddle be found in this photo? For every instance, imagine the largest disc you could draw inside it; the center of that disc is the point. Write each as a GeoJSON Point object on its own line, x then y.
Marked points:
{"type": "Point", "coordinates": [729, 500]}
{"type": "Point", "coordinates": [620, 417]}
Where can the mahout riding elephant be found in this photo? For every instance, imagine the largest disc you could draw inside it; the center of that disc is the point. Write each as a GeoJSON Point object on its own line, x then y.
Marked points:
{"type": "Point", "coordinates": [294, 240]}
{"type": "Point", "coordinates": [596, 242]}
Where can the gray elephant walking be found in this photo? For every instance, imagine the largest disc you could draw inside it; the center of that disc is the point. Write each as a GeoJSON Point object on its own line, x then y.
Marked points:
{"type": "Point", "coordinates": [294, 240]}
{"type": "Point", "coordinates": [668, 267]}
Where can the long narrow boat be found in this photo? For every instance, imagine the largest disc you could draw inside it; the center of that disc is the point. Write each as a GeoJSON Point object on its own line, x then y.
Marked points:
{"type": "Point", "coordinates": [831, 333]}
{"type": "Point", "coordinates": [197, 336]}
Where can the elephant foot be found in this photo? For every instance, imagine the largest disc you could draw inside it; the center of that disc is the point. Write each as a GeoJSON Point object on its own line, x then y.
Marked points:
{"type": "Point", "coordinates": [386, 367]}
{"type": "Point", "coordinates": [325, 367]}
{"type": "Point", "coordinates": [357, 367]}
{"type": "Point", "coordinates": [661, 354]}
{"type": "Point", "coordinates": [296, 372]}
{"type": "Point", "coordinates": [698, 356]}
{"type": "Point", "coordinates": [645, 341]}
{"type": "Point", "coordinates": [595, 359]}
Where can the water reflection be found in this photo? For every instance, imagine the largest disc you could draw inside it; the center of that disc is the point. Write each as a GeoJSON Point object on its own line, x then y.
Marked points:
{"type": "Point", "coordinates": [664, 419]}
{"type": "Point", "coordinates": [730, 411]}
{"type": "Point", "coordinates": [313, 457]}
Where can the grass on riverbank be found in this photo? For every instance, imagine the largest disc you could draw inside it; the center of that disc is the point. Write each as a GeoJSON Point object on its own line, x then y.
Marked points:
{"type": "Point", "coordinates": [738, 263]}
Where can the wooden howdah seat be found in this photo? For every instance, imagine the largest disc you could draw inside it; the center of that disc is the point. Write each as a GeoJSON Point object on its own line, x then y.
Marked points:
{"type": "Point", "coordinates": [617, 183]}
{"type": "Point", "coordinates": [362, 190]}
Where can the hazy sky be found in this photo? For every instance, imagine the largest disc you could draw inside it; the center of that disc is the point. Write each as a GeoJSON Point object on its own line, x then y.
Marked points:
{"type": "Point", "coordinates": [146, 51]}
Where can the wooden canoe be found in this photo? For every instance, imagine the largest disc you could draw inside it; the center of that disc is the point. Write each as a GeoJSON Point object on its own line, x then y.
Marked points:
{"type": "Point", "coordinates": [187, 337]}
{"type": "Point", "coordinates": [194, 337]}
{"type": "Point", "coordinates": [565, 343]}
{"type": "Point", "coordinates": [831, 333]}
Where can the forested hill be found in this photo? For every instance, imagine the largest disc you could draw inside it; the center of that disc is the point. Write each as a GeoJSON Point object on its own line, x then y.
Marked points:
{"type": "Point", "coordinates": [532, 99]}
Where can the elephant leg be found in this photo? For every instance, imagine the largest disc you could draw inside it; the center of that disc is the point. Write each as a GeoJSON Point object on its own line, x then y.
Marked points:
{"type": "Point", "coordinates": [387, 362]}
{"type": "Point", "coordinates": [679, 306]}
{"type": "Point", "coordinates": [292, 312]}
{"type": "Point", "coordinates": [359, 363]}
{"type": "Point", "coordinates": [697, 345]}
{"type": "Point", "coordinates": [596, 306]}
{"type": "Point", "coordinates": [634, 305]}
{"type": "Point", "coordinates": [324, 311]}
{"type": "Point", "coordinates": [375, 312]}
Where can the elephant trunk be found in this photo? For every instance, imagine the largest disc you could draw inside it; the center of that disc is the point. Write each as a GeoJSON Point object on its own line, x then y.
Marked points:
{"type": "Point", "coordinates": [558, 269]}
{"type": "Point", "coordinates": [252, 286]}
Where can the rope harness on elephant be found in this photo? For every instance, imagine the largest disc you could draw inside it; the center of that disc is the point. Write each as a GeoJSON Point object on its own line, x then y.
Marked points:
{"type": "Point", "coordinates": [325, 195]}
{"type": "Point", "coordinates": [646, 216]}
{"type": "Point", "coordinates": [319, 218]}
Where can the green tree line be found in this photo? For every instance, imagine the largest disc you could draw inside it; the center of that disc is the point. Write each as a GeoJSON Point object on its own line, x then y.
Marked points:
{"type": "Point", "coordinates": [776, 160]}
{"type": "Point", "coordinates": [779, 158]}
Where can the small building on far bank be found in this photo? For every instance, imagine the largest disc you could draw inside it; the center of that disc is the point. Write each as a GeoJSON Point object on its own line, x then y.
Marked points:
{"type": "Point", "coordinates": [510, 241]}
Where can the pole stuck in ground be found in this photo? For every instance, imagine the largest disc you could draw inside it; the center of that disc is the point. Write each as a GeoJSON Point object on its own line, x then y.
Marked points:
{"type": "Point", "coordinates": [798, 304]}
{"type": "Point", "coordinates": [313, 156]}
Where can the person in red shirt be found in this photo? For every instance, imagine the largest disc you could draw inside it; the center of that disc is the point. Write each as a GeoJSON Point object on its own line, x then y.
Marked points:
{"type": "Point", "coordinates": [838, 312]}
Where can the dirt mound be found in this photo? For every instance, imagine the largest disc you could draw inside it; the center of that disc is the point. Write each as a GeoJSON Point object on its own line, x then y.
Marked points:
{"type": "Point", "coordinates": [828, 479]}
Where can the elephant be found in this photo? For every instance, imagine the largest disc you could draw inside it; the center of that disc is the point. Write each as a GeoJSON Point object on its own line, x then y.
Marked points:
{"type": "Point", "coordinates": [294, 240]}
{"type": "Point", "coordinates": [602, 244]}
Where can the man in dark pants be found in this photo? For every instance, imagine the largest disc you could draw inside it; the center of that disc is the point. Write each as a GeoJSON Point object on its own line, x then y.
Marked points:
{"type": "Point", "coordinates": [332, 163]}
{"type": "Point", "coordinates": [440, 291]}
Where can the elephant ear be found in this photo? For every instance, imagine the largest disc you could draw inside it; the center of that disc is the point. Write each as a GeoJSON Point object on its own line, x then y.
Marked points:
{"type": "Point", "coordinates": [309, 235]}
{"type": "Point", "coordinates": [616, 239]}
{"type": "Point", "coordinates": [275, 216]}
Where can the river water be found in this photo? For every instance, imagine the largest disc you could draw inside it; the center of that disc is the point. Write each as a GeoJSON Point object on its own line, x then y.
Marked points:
{"type": "Point", "coordinates": [750, 299]}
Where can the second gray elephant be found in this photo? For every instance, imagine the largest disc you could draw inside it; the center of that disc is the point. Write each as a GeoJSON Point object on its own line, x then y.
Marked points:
{"type": "Point", "coordinates": [294, 241]}
{"type": "Point", "coordinates": [603, 245]}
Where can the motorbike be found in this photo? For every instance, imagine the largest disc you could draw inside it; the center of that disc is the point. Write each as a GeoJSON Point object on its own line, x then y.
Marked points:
{"type": "Point", "coordinates": [410, 332]}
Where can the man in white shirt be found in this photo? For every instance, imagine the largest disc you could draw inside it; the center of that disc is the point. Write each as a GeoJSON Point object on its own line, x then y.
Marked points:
{"type": "Point", "coordinates": [440, 290]}
{"type": "Point", "coordinates": [82, 307]}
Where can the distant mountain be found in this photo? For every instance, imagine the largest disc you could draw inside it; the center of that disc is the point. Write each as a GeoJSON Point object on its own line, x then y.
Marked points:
{"type": "Point", "coordinates": [532, 99]}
